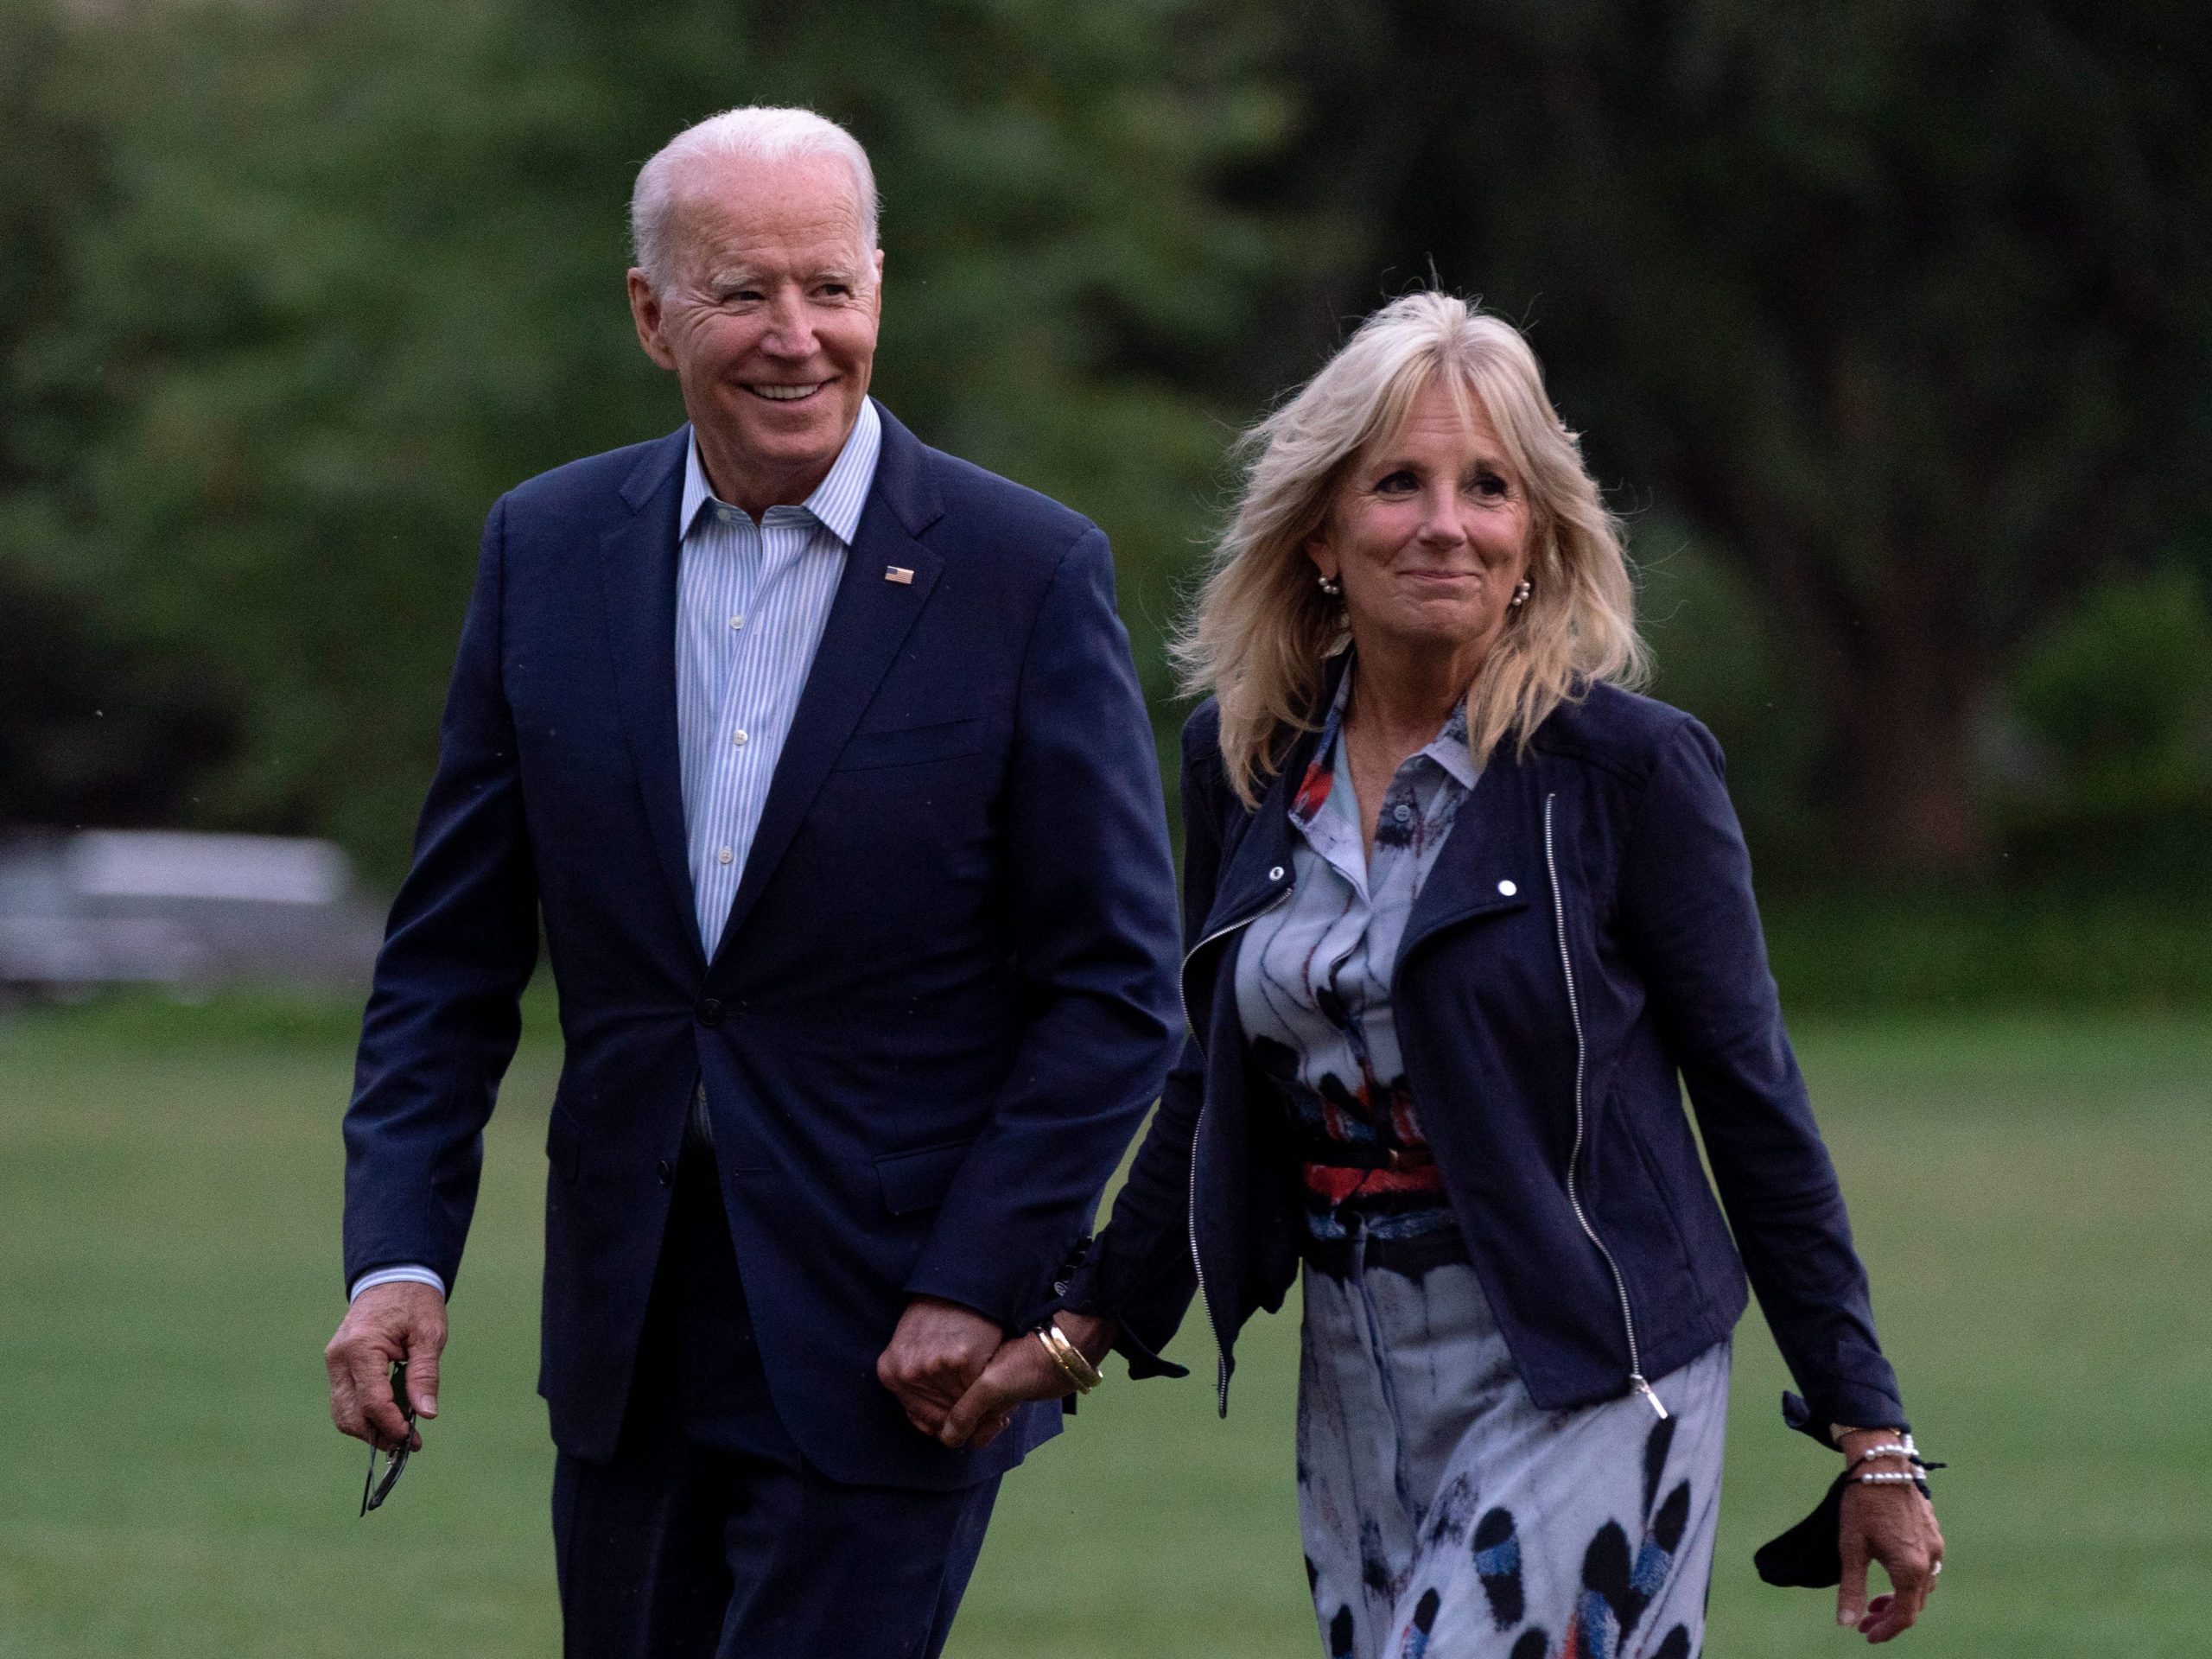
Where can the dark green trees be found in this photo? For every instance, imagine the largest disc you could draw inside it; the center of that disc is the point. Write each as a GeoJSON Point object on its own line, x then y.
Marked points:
{"type": "Point", "coordinates": [1902, 312]}
{"type": "Point", "coordinates": [1907, 308]}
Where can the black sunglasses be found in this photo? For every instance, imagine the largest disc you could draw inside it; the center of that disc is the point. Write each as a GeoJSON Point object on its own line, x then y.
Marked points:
{"type": "Point", "coordinates": [374, 1491]}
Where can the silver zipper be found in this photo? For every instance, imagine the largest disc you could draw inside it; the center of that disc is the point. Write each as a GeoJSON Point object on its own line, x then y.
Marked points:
{"type": "Point", "coordinates": [1191, 1207]}
{"type": "Point", "coordinates": [1573, 1158]}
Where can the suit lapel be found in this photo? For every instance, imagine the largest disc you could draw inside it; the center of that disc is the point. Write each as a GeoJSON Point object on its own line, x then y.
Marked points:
{"type": "Point", "coordinates": [869, 620]}
{"type": "Point", "coordinates": [638, 568]}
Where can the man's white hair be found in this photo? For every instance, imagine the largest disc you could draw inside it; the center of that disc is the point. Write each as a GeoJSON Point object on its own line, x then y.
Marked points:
{"type": "Point", "coordinates": [758, 133]}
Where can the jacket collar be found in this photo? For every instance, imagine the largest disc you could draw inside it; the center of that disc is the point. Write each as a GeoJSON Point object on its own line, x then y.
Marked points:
{"type": "Point", "coordinates": [1259, 868]}
{"type": "Point", "coordinates": [1491, 861]}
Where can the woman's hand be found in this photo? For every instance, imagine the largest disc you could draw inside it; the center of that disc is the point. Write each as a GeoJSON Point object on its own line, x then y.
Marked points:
{"type": "Point", "coordinates": [1893, 1525]}
{"type": "Point", "coordinates": [1021, 1372]}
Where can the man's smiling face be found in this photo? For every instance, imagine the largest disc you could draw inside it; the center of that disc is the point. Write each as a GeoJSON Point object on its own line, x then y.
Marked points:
{"type": "Point", "coordinates": [768, 320]}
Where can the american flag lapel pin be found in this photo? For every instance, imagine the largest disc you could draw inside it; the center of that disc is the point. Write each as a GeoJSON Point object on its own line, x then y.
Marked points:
{"type": "Point", "coordinates": [899, 574]}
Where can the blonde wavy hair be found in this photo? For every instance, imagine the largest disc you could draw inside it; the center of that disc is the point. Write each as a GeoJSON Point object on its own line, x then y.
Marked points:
{"type": "Point", "coordinates": [1261, 632]}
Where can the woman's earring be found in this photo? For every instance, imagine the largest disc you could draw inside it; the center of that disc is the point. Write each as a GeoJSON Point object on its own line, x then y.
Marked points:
{"type": "Point", "coordinates": [1332, 588]}
{"type": "Point", "coordinates": [1521, 594]}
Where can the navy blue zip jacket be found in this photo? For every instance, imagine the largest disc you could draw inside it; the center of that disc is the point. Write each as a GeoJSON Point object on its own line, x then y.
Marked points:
{"type": "Point", "coordinates": [1586, 945]}
{"type": "Point", "coordinates": [943, 1000]}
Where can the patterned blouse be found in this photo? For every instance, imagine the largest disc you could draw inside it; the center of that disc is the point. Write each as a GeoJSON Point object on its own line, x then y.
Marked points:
{"type": "Point", "coordinates": [1313, 975]}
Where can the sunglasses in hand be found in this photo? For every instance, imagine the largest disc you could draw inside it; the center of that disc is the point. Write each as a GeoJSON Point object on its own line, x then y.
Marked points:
{"type": "Point", "coordinates": [374, 1491]}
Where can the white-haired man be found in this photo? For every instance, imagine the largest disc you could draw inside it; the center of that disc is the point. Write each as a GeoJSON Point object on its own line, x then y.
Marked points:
{"type": "Point", "coordinates": [821, 757]}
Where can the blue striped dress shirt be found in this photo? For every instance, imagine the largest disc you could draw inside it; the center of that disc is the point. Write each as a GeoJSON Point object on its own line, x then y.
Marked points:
{"type": "Point", "coordinates": [751, 603]}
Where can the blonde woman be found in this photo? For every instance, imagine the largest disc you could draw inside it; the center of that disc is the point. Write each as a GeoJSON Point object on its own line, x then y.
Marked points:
{"type": "Point", "coordinates": [1460, 911]}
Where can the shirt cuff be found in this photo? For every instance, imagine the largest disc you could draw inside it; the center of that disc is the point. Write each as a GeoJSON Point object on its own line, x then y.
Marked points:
{"type": "Point", "coordinates": [406, 1275]}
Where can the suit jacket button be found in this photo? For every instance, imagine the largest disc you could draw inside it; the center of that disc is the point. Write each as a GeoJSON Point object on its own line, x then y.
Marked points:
{"type": "Point", "coordinates": [666, 1171]}
{"type": "Point", "coordinates": [710, 1011]}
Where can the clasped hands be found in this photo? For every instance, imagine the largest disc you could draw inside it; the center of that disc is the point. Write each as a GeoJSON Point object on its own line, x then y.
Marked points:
{"type": "Point", "coordinates": [958, 1377]}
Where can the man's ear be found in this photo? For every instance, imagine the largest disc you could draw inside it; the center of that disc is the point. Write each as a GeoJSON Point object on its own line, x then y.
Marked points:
{"type": "Point", "coordinates": [645, 311]}
{"type": "Point", "coordinates": [875, 303]}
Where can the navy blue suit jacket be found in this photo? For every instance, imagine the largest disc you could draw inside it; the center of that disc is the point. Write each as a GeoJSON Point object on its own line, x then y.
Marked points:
{"type": "Point", "coordinates": [942, 1003]}
{"type": "Point", "coordinates": [1585, 949]}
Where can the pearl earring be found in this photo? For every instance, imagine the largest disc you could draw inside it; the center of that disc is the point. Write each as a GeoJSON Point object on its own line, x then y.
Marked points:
{"type": "Point", "coordinates": [1521, 594]}
{"type": "Point", "coordinates": [1332, 586]}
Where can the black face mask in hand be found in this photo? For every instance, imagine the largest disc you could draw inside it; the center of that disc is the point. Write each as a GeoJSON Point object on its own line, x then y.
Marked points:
{"type": "Point", "coordinates": [1810, 1554]}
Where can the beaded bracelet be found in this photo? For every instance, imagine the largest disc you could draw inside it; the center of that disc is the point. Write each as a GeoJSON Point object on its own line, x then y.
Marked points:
{"type": "Point", "coordinates": [1889, 1449]}
{"type": "Point", "coordinates": [1904, 1449]}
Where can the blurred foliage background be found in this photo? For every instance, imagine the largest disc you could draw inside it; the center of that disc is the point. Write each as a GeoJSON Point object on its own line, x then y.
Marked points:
{"type": "Point", "coordinates": [1888, 325]}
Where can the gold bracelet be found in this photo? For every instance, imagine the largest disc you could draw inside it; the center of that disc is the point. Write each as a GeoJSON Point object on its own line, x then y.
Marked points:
{"type": "Point", "coordinates": [1071, 1357]}
{"type": "Point", "coordinates": [1066, 1370]}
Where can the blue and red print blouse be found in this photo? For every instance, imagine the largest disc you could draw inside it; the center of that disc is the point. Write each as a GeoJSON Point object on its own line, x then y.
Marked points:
{"type": "Point", "coordinates": [1313, 977]}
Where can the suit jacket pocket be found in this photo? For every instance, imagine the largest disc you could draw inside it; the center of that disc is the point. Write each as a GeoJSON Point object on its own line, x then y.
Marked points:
{"type": "Point", "coordinates": [565, 1143]}
{"type": "Point", "coordinates": [911, 745]}
{"type": "Point", "coordinates": [919, 1179]}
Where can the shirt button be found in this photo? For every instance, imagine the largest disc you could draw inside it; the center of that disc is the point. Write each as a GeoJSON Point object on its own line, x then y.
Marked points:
{"type": "Point", "coordinates": [724, 856]}
{"type": "Point", "coordinates": [1402, 813]}
{"type": "Point", "coordinates": [739, 738]}
{"type": "Point", "coordinates": [737, 622]}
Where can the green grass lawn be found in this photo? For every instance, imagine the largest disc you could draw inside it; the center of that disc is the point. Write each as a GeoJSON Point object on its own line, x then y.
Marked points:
{"type": "Point", "coordinates": [2030, 1196]}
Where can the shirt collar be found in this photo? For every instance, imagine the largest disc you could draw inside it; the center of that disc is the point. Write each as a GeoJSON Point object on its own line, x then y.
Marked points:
{"type": "Point", "coordinates": [838, 499]}
{"type": "Point", "coordinates": [1448, 749]}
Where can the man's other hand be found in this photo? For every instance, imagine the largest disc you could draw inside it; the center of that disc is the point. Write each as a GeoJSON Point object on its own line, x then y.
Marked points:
{"type": "Point", "coordinates": [940, 1349]}
{"type": "Point", "coordinates": [386, 1323]}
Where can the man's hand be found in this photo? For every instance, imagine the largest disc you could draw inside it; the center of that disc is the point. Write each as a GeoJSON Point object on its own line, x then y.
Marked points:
{"type": "Point", "coordinates": [1893, 1525]}
{"type": "Point", "coordinates": [1022, 1371]}
{"type": "Point", "coordinates": [940, 1349]}
{"type": "Point", "coordinates": [385, 1324]}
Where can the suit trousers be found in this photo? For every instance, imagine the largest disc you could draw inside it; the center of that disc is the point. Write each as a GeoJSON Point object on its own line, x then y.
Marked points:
{"type": "Point", "coordinates": [707, 1536]}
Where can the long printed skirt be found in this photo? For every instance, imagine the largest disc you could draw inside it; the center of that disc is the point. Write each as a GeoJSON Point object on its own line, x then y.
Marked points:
{"type": "Point", "coordinates": [1446, 1517]}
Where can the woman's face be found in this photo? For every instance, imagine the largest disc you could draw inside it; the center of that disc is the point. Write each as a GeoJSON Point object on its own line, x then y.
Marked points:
{"type": "Point", "coordinates": [1429, 534]}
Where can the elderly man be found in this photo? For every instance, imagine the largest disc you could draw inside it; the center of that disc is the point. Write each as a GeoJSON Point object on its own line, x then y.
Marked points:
{"type": "Point", "coordinates": [821, 756]}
